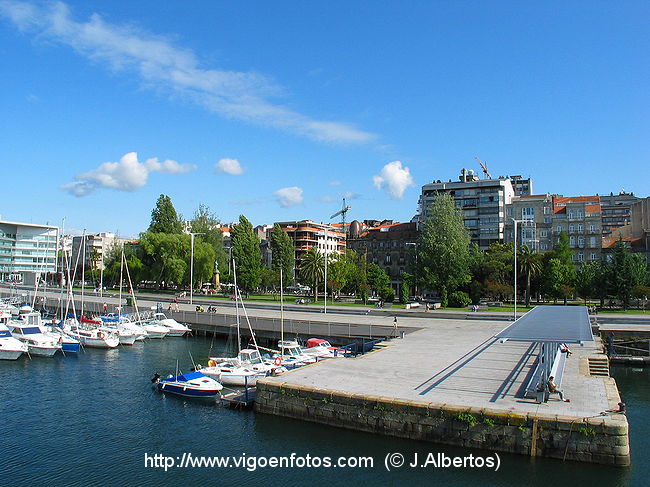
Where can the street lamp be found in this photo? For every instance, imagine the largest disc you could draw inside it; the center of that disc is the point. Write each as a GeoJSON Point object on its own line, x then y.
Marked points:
{"type": "Point", "coordinates": [515, 252]}
{"type": "Point", "coordinates": [192, 263]}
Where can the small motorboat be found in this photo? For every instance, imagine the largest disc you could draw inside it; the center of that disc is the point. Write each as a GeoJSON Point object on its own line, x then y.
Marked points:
{"type": "Point", "coordinates": [192, 384]}
{"type": "Point", "coordinates": [317, 347]}
{"type": "Point", "coordinates": [232, 373]}
{"type": "Point", "coordinates": [10, 348]}
{"type": "Point", "coordinates": [175, 329]}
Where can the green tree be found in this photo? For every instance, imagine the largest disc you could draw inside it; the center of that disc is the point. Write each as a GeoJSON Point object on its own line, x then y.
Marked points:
{"type": "Point", "coordinates": [207, 223]}
{"type": "Point", "coordinates": [312, 269]}
{"type": "Point", "coordinates": [377, 278]}
{"type": "Point", "coordinates": [165, 255]}
{"type": "Point", "coordinates": [164, 218]}
{"type": "Point", "coordinates": [586, 281]}
{"type": "Point", "coordinates": [530, 264]}
{"type": "Point", "coordinates": [282, 254]}
{"type": "Point", "coordinates": [558, 278]}
{"type": "Point", "coordinates": [246, 254]}
{"type": "Point", "coordinates": [443, 250]}
{"type": "Point", "coordinates": [627, 271]}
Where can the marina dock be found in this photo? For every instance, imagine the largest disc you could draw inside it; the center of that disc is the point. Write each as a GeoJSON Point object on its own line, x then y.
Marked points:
{"type": "Point", "coordinates": [454, 383]}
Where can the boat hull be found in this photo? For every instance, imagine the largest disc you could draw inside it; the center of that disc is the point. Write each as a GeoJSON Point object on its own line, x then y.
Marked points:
{"type": "Point", "coordinates": [186, 391]}
{"type": "Point", "coordinates": [70, 347]}
{"type": "Point", "coordinates": [10, 354]}
{"type": "Point", "coordinates": [99, 342]}
{"type": "Point", "coordinates": [37, 351]}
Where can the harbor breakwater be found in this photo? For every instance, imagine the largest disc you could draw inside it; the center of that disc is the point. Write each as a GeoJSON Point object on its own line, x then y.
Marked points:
{"type": "Point", "coordinates": [601, 439]}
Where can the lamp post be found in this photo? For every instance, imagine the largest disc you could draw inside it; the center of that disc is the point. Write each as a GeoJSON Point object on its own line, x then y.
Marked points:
{"type": "Point", "coordinates": [192, 235]}
{"type": "Point", "coordinates": [515, 252]}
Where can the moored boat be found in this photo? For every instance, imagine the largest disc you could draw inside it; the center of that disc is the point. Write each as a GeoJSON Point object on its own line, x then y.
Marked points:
{"type": "Point", "coordinates": [192, 384]}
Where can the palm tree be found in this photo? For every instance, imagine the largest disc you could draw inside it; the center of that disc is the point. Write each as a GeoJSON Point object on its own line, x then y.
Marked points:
{"type": "Point", "coordinates": [312, 269]}
{"type": "Point", "coordinates": [530, 265]}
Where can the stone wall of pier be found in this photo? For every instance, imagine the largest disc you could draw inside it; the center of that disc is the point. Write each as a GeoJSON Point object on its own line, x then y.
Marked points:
{"type": "Point", "coordinates": [602, 439]}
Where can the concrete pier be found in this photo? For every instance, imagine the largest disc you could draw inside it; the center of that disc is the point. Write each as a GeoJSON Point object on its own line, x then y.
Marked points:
{"type": "Point", "coordinates": [452, 383]}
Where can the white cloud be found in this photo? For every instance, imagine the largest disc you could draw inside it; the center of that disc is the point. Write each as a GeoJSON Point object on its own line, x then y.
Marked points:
{"type": "Point", "coordinates": [128, 174]}
{"type": "Point", "coordinates": [289, 196]}
{"type": "Point", "coordinates": [173, 70]}
{"type": "Point", "coordinates": [229, 166]}
{"type": "Point", "coordinates": [335, 183]}
{"type": "Point", "coordinates": [393, 179]}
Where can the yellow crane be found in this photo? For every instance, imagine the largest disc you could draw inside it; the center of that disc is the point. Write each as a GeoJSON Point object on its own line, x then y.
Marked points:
{"type": "Point", "coordinates": [484, 167]}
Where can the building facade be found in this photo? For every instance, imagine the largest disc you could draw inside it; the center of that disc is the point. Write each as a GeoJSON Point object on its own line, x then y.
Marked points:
{"type": "Point", "coordinates": [482, 202]}
{"type": "Point", "coordinates": [307, 234]}
{"type": "Point", "coordinates": [389, 245]}
{"type": "Point", "coordinates": [97, 249]}
{"type": "Point", "coordinates": [616, 210]}
{"type": "Point", "coordinates": [534, 217]}
{"type": "Point", "coordinates": [27, 251]}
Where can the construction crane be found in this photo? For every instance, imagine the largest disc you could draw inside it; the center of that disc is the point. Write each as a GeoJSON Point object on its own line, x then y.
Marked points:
{"type": "Point", "coordinates": [343, 211]}
{"type": "Point", "coordinates": [484, 167]}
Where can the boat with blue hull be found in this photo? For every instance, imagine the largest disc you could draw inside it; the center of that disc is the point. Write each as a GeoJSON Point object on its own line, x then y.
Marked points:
{"type": "Point", "coordinates": [192, 384]}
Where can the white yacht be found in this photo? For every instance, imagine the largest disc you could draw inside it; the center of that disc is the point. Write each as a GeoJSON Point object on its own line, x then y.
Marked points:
{"type": "Point", "coordinates": [154, 330]}
{"type": "Point", "coordinates": [10, 348]}
{"type": "Point", "coordinates": [38, 343]}
{"type": "Point", "coordinates": [175, 329]}
{"type": "Point", "coordinates": [92, 337]}
{"type": "Point", "coordinates": [322, 349]}
{"type": "Point", "coordinates": [291, 355]}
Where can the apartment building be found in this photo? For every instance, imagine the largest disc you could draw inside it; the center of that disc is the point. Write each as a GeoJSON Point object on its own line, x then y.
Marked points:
{"type": "Point", "coordinates": [391, 245]}
{"type": "Point", "coordinates": [616, 210]}
{"type": "Point", "coordinates": [482, 202]}
{"type": "Point", "coordinates": [307, 234]}
{"type": "Point", "coordinates": [27, 251]}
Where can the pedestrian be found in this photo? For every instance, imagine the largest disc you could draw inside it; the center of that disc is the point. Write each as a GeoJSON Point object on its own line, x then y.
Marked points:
{"type": "Point", "coordinates": [105, 307]}
{"type": "Point", "coordinates": [554, 389]}
{"type": "Point", "coordinates": [395, 327]}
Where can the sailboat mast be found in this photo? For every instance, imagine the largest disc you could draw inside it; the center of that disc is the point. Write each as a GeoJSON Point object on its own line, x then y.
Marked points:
{"type": "Point", "coordinates": [281, 315]}
{"type": "Point", "coordinates": [83, 271]}
{"type": "Point", "coordinates": [237, 297]}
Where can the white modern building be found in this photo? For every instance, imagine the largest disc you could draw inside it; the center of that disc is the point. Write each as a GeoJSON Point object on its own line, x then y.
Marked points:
{"type": "Point", "coordinates": [27, 251]}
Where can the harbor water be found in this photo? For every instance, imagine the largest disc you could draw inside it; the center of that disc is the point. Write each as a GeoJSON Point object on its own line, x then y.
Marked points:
{"type": "Point", "coordinates": [94, 419]}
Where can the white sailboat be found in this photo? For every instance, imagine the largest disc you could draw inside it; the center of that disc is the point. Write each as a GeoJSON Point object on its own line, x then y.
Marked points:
{"type": "Point", "coordinates": [174, 328]}
{"type": "Point", "coordinates": [233, 371]}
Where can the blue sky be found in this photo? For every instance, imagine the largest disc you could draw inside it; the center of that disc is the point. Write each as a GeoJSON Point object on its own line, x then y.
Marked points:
{"type": "Point", "coordinates": [277, 110]}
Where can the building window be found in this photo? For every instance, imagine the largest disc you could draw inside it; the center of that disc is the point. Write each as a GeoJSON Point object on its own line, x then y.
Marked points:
{"type": "Point", "coordinates": [528, 213]}
{"type": "Point", "coordinates": [559, 228]}
{"type": "Point", "coordinates": [581, 241]}
{"type": "Point", "coordinates": [581, 213]}
{"type": "Point", "coordinates": [572, 241]}
{"type": "Point", "coordinates": [592, 241]}
{"type": "Point", "coordinates": [510, 211]}
{"type": "Point", "coordinates": [543, 233]}
{"type": "Point", "coordinates": [571, 214]}
{"type": "Point", "coordinates": [593, 256]}
{"type": "Point", "coordinates": [581, 228]}
{"type": "Point", "coordinates": [387, 260]}
{"type": "Point", "coordinates": [544, 246]}
{"type": "Point", "coordinates": [581, 256]}
{"type": "Point", "coordinates": [592, 228]}
{"type": "Point", "coordinates": [547, 210]}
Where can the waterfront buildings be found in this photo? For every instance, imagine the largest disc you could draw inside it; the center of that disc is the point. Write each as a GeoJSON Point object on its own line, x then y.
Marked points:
{"type": "Point", "coordinates": [307, 234]}
{"type": "Point", "coordinates": [616, 210]}
{"type": "Point", "coordinates": [27, 251]}
{"type": "Point", "coordinates": [97, 249]}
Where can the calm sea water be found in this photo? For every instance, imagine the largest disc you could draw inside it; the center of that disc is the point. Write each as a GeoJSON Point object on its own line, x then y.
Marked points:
{"type": "Point", "coordinates": [90, 420]}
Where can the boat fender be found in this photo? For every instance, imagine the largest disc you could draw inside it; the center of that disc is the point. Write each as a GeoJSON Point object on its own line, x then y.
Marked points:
{"type": "Point", "coordinates": [212, 363]}
{"type": "Point", "coordinates": [101, 335]}
{"type": "Point", "coordinates": [277, 361]}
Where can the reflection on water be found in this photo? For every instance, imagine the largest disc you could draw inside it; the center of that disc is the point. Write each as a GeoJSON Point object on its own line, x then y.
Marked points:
{"type": "Point", "coordinates": [89, 420]}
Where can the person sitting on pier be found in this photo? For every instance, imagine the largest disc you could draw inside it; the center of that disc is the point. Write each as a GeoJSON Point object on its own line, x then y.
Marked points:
{"type": "Point", "coordinates": [553, 389]}
{"type": "Point", "coordinates": [565, 349]}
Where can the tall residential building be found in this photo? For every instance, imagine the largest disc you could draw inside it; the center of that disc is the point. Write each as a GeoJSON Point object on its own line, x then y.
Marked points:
{"type": "Point", "coordinates": [482, 201]}
{"type": "Point", "coordinates": [616, 210]}
{"type": "Point", "coordinates": [307, 234]}
{"type": "Point", "coordinates": [27, 250]}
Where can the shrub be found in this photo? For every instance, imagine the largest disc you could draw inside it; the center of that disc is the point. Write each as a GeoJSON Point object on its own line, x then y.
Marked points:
{"type": "Point", "coordinates": [387, 294]}
{"type": "Point", "coordinates": [459, 299]}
